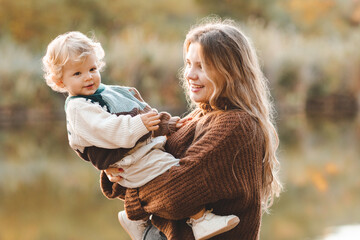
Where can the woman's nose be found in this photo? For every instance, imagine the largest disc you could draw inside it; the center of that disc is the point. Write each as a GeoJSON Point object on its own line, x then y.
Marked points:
{"type": "Point", "coordinates": [190, 74]}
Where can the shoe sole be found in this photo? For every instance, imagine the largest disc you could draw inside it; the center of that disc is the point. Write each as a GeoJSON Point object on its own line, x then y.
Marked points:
{"type": "Point", "coordinates": [122, 223]}
{"type": "Point", "coordinates": [231, 224]}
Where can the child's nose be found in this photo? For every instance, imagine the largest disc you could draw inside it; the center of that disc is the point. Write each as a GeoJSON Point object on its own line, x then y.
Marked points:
{"type": "Point", "coordinates": [88, 76]}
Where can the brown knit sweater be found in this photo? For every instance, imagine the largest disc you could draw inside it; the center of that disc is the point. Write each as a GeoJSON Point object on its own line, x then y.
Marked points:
{"type": "Point", "coordinates": [220, 168]}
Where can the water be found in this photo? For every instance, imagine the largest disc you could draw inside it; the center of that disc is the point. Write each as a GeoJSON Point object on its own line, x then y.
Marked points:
{"type": "Point", "coordinates": [320, 162]}
{"type": "Point", "coordinates": [48, 193]}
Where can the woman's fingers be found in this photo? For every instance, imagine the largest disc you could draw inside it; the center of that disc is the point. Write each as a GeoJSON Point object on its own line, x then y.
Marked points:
{"type": "Point", "coordinates": [113, 174]}
{"type": "Point", "coordinates": [114, 179]}
{"type": "Point", "coordinates": [182, 122]}
{"type": "Point", "coordinates": [113, 170]}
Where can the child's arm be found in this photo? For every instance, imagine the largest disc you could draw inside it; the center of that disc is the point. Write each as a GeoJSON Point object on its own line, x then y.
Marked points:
{"type": "Point", "coordinates": [168, 124]}
{"type": "Point", "coordinates": [90, 125]}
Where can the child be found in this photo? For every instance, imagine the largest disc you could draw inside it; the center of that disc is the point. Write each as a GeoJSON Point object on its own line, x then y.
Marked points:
{"type": "Point", "coordinates": [116, 117]}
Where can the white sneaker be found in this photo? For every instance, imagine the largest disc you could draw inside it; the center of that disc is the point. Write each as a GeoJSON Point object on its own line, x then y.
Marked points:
{"type": "Point", "coordinates": [210, 225]}
{"type": "Point", "coordinates": [135, 229]}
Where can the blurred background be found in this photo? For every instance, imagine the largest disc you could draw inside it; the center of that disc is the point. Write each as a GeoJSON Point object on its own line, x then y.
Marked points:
{"type": "Point", "coordinates": [309, 50]}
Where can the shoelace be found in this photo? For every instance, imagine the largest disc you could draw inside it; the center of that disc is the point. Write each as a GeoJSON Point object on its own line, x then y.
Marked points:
{"type": "Point", "coordinates": [191, 222]}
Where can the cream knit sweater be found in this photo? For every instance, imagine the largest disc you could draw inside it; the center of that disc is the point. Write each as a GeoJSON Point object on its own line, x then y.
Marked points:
{"type": "Point", "coordinates": [109, 120]}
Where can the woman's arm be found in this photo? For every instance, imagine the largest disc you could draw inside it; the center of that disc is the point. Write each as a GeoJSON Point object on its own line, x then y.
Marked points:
{"type": "Point", "coordinates": [216, 166]}
{"type": "Point", "coordinates": [111, 190]}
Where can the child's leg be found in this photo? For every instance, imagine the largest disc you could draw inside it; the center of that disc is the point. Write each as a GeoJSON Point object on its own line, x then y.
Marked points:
{"type": "Point", "coordinates": [206, 224]}
{"type": "Point", "coordinates": [135, 229]}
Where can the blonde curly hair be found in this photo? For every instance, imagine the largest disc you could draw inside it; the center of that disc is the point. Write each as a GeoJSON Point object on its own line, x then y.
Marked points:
{"type": "Point", "coordinates": [73, 46]}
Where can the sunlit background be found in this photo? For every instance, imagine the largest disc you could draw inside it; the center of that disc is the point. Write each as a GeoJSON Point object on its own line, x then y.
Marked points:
{"type": "Point", "coordinates": [309, 51]}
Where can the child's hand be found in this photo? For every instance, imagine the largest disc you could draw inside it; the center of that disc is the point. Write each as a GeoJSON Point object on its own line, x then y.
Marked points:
{"type": "Point", "coordinates": [183, 121]}
{"type": "Point", "coordinates": [151, 120]}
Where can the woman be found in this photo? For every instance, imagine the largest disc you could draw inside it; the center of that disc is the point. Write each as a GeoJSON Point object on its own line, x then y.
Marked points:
{"type": "Point", "coordinates": [227, 151]}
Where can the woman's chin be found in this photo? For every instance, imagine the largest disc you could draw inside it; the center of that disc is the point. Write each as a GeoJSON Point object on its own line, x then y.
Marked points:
{"type": "Point", "coordinates": [196, 98]}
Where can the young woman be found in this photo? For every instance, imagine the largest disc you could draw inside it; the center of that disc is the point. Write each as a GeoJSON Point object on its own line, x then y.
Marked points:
{"type": "Point", "coordinates": [227, 151]}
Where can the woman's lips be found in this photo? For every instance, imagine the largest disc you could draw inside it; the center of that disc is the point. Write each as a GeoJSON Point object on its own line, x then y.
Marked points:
{"type": "Point", "coordinates": [195, 88]}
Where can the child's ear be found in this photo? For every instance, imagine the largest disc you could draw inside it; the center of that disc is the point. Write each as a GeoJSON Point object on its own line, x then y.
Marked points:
{"type": "Point", "coordinates": [59, 83]}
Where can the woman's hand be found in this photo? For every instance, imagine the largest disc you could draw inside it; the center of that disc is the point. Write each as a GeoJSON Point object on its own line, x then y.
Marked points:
{"type": "Point", "coordinates": [113, 174]}
{"type": "Point", "coordinates": [183, 121]}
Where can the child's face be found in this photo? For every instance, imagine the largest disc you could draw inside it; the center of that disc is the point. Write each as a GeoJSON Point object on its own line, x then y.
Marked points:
{"type": "Point", "coordinates": [81, 78]}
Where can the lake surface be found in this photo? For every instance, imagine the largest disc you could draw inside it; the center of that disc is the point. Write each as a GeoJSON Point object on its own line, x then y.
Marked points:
{"type": "Point", "coordinates": [48, 193]}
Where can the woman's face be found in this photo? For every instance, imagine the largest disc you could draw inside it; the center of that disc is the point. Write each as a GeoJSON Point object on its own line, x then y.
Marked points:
{"type": "Point", "coordinates": [200, 87]}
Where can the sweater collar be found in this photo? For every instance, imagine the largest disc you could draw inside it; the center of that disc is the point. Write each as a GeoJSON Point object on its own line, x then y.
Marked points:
{"type": "Point", "coordinates": [93, 97]}
{"type": "Point", "coordinates": [221, 104]}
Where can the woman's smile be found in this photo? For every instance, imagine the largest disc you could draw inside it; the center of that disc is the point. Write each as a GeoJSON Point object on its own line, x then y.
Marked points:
{"type": "Point", "coordinates": [196, 88]}
{"type": "Point", "coordinates": [200, 86]}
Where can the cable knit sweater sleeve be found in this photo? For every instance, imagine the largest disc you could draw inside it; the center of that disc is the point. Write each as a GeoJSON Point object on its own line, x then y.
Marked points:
{"type": "Point", "coordinates": [222, 162]}
{"type": "Point", "coordinates": [167, 124]}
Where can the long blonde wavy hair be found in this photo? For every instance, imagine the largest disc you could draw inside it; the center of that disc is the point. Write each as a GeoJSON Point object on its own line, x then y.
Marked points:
{"type": "Point", "coordinates": [231, 63]}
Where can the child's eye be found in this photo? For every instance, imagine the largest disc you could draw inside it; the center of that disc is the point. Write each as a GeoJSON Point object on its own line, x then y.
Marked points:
{"type": "Point", "coordinates": [77, 73]}
{"type": "Point", "coordinates": [93, 69]}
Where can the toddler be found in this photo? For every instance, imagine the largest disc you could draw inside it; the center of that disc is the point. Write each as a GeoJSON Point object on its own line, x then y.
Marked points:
{"type": "Point", "coordinates": [116, 117]}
